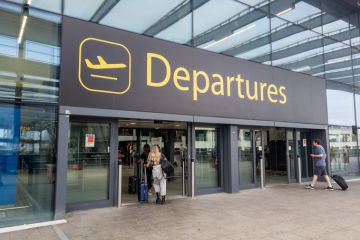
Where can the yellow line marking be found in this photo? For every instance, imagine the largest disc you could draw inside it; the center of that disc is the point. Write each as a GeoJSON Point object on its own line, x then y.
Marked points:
{"type": "Point", "coordinates": [103, 77]}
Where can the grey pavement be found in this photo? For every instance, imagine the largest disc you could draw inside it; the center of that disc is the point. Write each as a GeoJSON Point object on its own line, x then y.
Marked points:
{"type": "Point", "coordinates": [280, 212]}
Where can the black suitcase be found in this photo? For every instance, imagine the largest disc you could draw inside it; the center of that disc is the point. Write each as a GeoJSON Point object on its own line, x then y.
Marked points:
{"type": "Point", "coordinates": [340, 181]}
{"type": "Point", "coordinates": [134, 180]}
{"type": "Point", "coordinates": [133, 184]}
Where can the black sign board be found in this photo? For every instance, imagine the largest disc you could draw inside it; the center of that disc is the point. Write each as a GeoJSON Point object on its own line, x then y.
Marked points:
{"type": "Point", "coordinates": [103, 67]}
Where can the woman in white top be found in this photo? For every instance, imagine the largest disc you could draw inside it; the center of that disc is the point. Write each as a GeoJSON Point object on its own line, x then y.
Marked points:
{"type": "Point", "coordinates": [154, 160]}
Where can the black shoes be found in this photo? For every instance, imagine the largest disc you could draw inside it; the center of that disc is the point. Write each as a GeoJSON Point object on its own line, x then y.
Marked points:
{"type": "Point", "coordinates": [158, 201]}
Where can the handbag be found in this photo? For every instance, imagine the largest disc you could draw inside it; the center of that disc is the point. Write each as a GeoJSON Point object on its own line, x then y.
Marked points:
{"type": "Point", "coordinates": [166, 166]}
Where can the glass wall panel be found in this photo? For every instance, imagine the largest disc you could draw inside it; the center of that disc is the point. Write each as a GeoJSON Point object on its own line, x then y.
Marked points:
{"type": "Point", "coordinates": [27, 163]}
{"type": "Point", "coordinates": [236, 29]}
{"type": "Point", "coordinates": [207, 163]}
{"type": "Point", "coordinates": [88, 162]}
{"type": "Point", "coordinates": [245, 157]}
{"type": "Point", "coordinates": [51, 6]}
{"type": "Point", "coordinates": [296, 36]}
{"type": "Point", "coordinates": [29, 58]}
{"type": "Point", "coordinates": [169, 20]}
{"type": "Point", "coordinates": [340, 105]}
{"type": "Point", "coordinates": [343, 154]}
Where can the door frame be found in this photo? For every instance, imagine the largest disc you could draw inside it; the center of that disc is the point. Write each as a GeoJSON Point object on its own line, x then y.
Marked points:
{"type": "Point", "coordinates": [255, 183]}
{"type": "Point", "coordinates": [221, 143]}
{"type": "Point", "coordinates": [298, 157]}
{"type": "Point", "coordinates": [288, 159]}
{"type": "Point", "coordinates": [186, 183]}
{"type": "Point", "coordinates": [113, 166]}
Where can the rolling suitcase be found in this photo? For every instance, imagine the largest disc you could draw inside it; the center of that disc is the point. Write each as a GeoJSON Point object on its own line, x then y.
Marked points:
{"type": "Point", "coordinates": [340, 181]}
{"type": "Point", "coordinates": [133, 183]}
{"type": "Point", "coordinates": [143, 187]}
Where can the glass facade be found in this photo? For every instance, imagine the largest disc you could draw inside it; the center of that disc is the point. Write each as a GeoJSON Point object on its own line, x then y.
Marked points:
{"type": "Point", "coordinates": [320, 38]}
{"type": "Point", "coordinates": [245, 157]}
{"type": "Point", "coordinates": [207, 164]}
{"type": "Point", "coordinates": [88, 162]}
{"type": "Point", "coordinates": [29, 83]}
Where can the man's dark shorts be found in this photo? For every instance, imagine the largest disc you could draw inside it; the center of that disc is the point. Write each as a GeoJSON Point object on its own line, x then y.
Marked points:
{"type": "Point", "coordinates": [320, 171]}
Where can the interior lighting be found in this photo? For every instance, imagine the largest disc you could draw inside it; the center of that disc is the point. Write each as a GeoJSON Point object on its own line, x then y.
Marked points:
{"type": "Point", "coordinates": [284, 11]}
{"type": "Point", "coordinates": [337, 60]}
{"type": "Point", "coordinates": [301, 69]}
{"type": "Point", "coordinates": [133, 123]}
{"type": "Point", "coordinates": [22, 29]}
{"type": "Point", "coordinates": [24, 20]}
{"type": "Point", "coordinates": [232, 35]}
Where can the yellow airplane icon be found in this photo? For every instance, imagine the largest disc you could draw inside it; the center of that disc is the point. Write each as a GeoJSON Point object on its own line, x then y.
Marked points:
{"type": "Point", "coordinates": [103, 64]}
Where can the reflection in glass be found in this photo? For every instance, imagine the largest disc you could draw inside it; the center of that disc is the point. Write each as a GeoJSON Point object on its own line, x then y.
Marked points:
{"type": "Point", "coordinates": [29, 64]}
{"type": "Point", "coordinates": [27, 163]}
{"type": "Point", "coordinates": [207, 163]}
{"type": "Point", "coordinates": [340, 107]}
{"type": "Point", "coordinates": [343, 151]}
{"type": "Point", "coordinates": [51, 6]}
{"type": "Point", "coordinates": [88, 163]}
{"type": "Point", "coordinates": [245, 157]}
{"type": "Point", "coordinates": [236, 29]}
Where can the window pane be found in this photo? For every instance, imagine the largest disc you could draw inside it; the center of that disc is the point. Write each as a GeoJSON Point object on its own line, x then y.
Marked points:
{"type": "Point", "coordinates": [169, 20]}
{"type": "Point", "coordinates": [297, 42]}
{"type": "Point", "coordinates": [29, 62]}
{"type": "Point", "coordinates": [340, 101]}
{"type": "Point", "coordinates": [246, 157]}
{"type": "Point", "coordinates": [48, 5]}
{"type": "Point", "coordinates": [27, 163]}
{"type": "Point", "coordinates": [343, 154]}
{"type": "Point", "coordinates": [235, 29]}
{"type": "Point", "coordinates": [207, 163]}
{"type": "Point", "coordinates": [88, 163]}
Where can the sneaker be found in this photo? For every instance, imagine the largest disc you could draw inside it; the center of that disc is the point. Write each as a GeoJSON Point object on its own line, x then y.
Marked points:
{"type": "Point", "coordinates": [309, 187]}
{"type": "Point", "coordinates": [329, 188]}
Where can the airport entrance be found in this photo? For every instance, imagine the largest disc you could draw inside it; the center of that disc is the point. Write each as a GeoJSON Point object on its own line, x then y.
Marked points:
{"type": "Point", "coordinates": [272, 156]}
{"type": "Point", "coordinates": [134, 139]}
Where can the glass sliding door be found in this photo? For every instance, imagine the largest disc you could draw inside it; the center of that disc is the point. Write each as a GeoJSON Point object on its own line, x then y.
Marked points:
{"type": "Point", "coordinates": [88, 162]}
{"type": "Point", "coordinates": [207, 162]}
{"type": "Point", "coordinates": [304, 150]}
{"type": "Point", "coordinates": [245, 157]}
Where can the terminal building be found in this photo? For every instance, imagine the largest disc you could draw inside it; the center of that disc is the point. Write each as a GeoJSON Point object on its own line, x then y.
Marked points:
{"type": "Point", "coordinates": [233, 91]}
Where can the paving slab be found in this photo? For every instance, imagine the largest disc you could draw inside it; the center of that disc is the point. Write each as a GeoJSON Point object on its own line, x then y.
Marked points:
{"type": "Point", "coordinates": [279, 212]}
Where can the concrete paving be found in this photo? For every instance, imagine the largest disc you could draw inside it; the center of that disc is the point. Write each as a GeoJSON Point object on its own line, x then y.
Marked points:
{"type": "Point", "coordinates": [280, 212]}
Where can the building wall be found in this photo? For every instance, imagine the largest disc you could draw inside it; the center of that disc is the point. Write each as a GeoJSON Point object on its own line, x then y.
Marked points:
{"type": "Point", "coordinates": [317, 37]}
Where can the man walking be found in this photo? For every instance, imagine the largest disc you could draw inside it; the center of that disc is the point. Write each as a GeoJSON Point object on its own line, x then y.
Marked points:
{"type": "Point", "coordinates": [320, 165]}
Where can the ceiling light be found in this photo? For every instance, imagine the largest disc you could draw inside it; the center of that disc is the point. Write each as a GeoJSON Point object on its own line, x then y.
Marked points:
{"type": "Point", "coordinates": [241, 30]}
{"type": "Point", "coordinates": [337, 60]}
{"type": "Point", "coordinates": [133, 123]}
{"type": "Point", "coordinates": [301, 69]}
{"type": "Point", "coordinates": [284, 11]}
{"type": "Point", "coordinates": [22, 28]}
